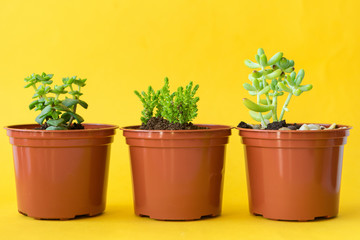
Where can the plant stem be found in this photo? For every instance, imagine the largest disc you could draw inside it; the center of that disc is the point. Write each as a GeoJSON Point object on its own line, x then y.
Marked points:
{"type": "Point", "coordinates": [72, 117]}
{"type": "Point", "coordinates": [285, 106]}
{"type": "Point", "coordinates": [261, 116]}
{"type": "Point", "coordinates": [266, 94]}
{"type": "Point", "coordinates": [275, 119]}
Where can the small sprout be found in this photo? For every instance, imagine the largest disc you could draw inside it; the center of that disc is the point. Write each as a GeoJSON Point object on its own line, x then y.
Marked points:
{"type": "Point", "coordinates": [283, 79]}
{"type": "Point", "coordinates": [58, 114]}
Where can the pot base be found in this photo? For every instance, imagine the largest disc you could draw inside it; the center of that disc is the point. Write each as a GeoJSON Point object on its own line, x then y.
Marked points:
{"type": "Point", "coordinates": [188, 218]}
{"type": "Point", "coordinates": [296, 220]}
{"type": "Point", "coordinates": [86, 215]}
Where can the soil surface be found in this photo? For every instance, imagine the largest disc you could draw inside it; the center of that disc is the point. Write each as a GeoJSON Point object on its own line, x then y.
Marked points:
{"type": "Point", "coordinates": [159, 123]}
{"type": "Point", "coordinates": [244, 125]}
{"type": "Point", "coordinates": [74, 126]}
{"type": "Point", "coordinates": [273, 125]}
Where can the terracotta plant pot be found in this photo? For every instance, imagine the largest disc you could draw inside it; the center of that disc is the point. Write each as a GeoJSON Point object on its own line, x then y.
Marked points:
{"type": "Point", "coordinates": [61, 174]}
{"type": "Point", "coordinates": [177, 175]}
{"type": "Point", "coordinates": [294, 175]}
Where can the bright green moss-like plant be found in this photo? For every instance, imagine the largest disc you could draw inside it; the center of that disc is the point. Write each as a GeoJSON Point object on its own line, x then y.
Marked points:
{"type": "Point", "coordinates": [56, 112]}
{"type": "Point", "coordinates": [273, 78]}
{"type": "Point", "coordinates": [177, 107]}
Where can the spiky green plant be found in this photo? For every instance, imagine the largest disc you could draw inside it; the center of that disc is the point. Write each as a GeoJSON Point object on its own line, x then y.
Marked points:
{"type": "Point", "coordinates": [177, 107]}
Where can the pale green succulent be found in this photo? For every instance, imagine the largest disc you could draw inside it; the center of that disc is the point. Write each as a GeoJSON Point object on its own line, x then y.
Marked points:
{"type": "Point", "coordinates": [273, 78]}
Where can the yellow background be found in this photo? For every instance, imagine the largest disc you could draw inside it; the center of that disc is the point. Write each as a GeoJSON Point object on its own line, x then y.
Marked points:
{"type": "Point", "coordinates": [121, 46]}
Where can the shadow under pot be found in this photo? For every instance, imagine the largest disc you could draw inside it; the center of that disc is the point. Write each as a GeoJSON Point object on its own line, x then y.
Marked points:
{"type": "Point", "coordinates": [61, 174]}
{"type": "Point", "coordinates": [294, 175]}
{"type": "Point", "coordinates": [177, 175]}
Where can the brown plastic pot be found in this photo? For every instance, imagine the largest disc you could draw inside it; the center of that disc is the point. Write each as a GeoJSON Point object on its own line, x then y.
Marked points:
{"type": "Point", "coordinates": [177, 175]}
{"type": "Point", "coordinates": [294, 175]}
{"type": "Point", "coordinates": [61, 174]}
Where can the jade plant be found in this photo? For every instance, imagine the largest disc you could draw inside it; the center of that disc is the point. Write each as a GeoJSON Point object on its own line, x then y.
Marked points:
{"type": "Point", "coordinates": [57, 104]}
{"type": "Point", "coordinates": [177, 107]}
{"type": "Point", "coordinates": [271, 79]}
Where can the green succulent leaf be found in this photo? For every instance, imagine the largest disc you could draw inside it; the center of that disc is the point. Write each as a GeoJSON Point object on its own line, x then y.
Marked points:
{"type": "Point", "coordinates": [300, 77]}
{"type": "Point", "coordinates": [29, 84]}
{"type": "Point", "coordinates": [297, 92]}
{"type": "Point", "coordinates": [77, 117]}
{"type": "Point", "coordinates": [283, 87]}
{"type": "Point", "coordinates": [62, 107]}
{"type": "Point", "coordinates": [256, 74]}
{"type": "Point", "coordinates": [46, 111]}
{"type": "Point", "coordinates": [256, 116]}
{"type": "Point", "coordinates": [290, 81]}
{"type": "Point", "coordinates": [55, 122]}
{"type": "Point", "coordinates": [248, 87]}
{"type": "Point", "coordinates": [256, 84]}
{"type": "Point", "coordinates": [305, 88]}
{"type": "Point", "coordinates": [263, 60]}
{"type": "Point", "coordinates": [251, 64]}
{"type": "Point", "coordinates": [257, 58]}
{"type": "Point", "coordinates": [274, 59]}
{"type": "Point", "coordinates": [260, 51]}
{"type": "Point", "coordinates": [256, 107]}
{"type": "Point", "coordinates": [56, 128]}
{"type": "Point", "coordinates": [274, 74]}
{"type": "Point", "coordinates": [69, 102]}
{"type": "Point", "coordinates": [289, 70]}
{"type": "Point", "coordinates": [265, 90]}
{"type": "Point", "coordinates": [83, 104]}
{"type": "Point", "coordinates": [33, 104]}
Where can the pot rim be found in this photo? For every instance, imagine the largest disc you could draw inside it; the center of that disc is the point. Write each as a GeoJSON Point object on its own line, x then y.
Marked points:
{"type": "Point", "coordinates": [17, 127]}
{"type": "Point", "coordinates": [297, 131]}
{"type": "Point", "coordinates": [134, 128]}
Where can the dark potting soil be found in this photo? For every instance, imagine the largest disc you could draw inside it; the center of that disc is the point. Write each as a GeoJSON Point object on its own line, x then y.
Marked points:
{"type": "Point", "coordinates": [276, 125]}
{"type": "Point", "coordinates": [159, 123]}
{"type": "Point", "coordinates": [244, 125]}
{"type": "Point", "coordinates": [273, 125]}
{"type": "Point", "coordinates": [74, 126]}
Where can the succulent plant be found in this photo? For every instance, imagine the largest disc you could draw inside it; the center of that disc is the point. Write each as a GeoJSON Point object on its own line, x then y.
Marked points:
{"type": "Point", "coordinates": [270, 79]}
{"type": "Point", "coordinates": [177, 107]}
{"type": "Point", "coordinates": [57, 113]}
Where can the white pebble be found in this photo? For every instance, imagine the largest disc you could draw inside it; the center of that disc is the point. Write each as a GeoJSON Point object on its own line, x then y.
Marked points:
{"type": "Point", "coordinates": [314, 127]}
{"type": "Point", "coordinates": [304, 127]}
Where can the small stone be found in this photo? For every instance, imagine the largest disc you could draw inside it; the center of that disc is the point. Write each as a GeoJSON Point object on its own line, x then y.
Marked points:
{"type": "Point", "coordinates": [304, 127]}
{"type": "Point", "coordinates": [322, 127]}
{"type": "Point", "coordinates": [284, 128]}
{"type": "Point", "coordinates": [333, 126]}
{"type": "Point", "coordinates": [256, 126]}
{"type": "Point", "coordinates": [314, 127]}
{"type": "Point", "coordinates": [291, 127]}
